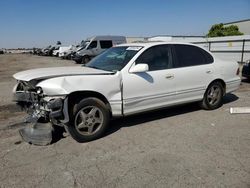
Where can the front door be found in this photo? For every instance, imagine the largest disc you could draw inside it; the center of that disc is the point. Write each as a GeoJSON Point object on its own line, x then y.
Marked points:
{"type": "Point", "coordinates": [151, 89]}
{"type": "Point", "coordinates": [93, 48]}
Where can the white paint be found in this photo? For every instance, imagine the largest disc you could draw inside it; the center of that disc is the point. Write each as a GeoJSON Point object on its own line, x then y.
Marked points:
{"type": "Point", "coordinates": [240, 110]}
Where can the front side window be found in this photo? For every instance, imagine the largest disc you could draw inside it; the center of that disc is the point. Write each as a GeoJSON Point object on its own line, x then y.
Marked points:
{"type": "Point", "coordinates": [188, 55]}
{"type": "Point", "coordinates": [106, 44]}
{"type": "Point", "coordinates": [114, 59]}
{"type": "Point", "coordinates": [157, 58]}
{"type": "Point", "coordinates": [92, 45]}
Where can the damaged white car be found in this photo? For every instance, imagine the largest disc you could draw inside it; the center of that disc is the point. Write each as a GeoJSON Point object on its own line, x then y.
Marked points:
{"type": "Point", "coordinates": [124, 80]}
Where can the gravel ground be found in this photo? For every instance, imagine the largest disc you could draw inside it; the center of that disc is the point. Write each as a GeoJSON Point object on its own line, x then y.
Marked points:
{"type": "Point", "coordinates": [177, 147]}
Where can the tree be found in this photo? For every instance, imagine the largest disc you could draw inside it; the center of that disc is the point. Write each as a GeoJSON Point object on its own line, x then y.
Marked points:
{"type": "Point", "coordinates": [219, 30]}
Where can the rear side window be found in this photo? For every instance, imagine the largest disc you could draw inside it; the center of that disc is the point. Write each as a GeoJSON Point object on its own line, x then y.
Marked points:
{"type": "Point", "coordinates": [106, 44]}
{"type": "Point", "coordinates": [157, 58]}
{"type": "Point", "coordinates": [188, 55]}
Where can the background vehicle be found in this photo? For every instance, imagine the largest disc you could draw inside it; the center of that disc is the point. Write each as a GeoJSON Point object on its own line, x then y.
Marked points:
{"type": "Point", "coordinates": [45, 51]}
{"type": "Point", "coordinates": [50, 50]}
{"type": "Point", "coordinates": [94, 46]}
{"type": "Point", "coordinates": [56, 52]}
{"type": "Point", "coordinates": [65, 52]}
{"type": "Point", "coordinates": [246, 70]}
{"type": "Point", "coordinates": [37, 51]}
{"type": "Point", "coordinates": [124, 80]}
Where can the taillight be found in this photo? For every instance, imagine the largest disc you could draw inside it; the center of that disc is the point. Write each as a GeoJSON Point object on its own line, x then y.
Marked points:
{"type": "Point", "coordinates": [238, 72]}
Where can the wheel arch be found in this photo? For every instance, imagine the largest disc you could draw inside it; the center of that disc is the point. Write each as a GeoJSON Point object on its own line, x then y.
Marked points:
{"type": "Point", "coordinates": [77, 96]}
{"type": "Point", "coordinates": [85, 55]}
{"type": "Point", "coordinates": [222, 83]}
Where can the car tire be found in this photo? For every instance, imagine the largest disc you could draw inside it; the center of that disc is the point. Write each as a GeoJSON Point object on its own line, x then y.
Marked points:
{"type": "Point", "coordinates": [90, 118]}
{"type": "Point", "coordinates": [213, 96]}
{"type": "Point", "coordinates": [85, 59]}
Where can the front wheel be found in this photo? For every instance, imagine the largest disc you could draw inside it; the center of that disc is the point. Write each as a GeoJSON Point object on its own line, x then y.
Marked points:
{"type": "Point", "coordinates": [85, 60]}
{"type": "Point", "coordinates": [213, 96]}
{"type": "Point", "coordinates": [89, 120]}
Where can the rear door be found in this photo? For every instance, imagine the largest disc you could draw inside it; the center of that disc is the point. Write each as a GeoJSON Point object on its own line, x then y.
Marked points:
{"type": "Point", "coordinates": [193, 71]}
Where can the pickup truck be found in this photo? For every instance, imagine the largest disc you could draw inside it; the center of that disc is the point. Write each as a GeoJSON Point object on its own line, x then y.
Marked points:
{"type": "Point", "coordinates": [124, 80]}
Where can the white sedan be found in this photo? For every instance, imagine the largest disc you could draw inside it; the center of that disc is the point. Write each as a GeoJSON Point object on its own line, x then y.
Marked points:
{"type": "Point", "coordinates": [124, 80]}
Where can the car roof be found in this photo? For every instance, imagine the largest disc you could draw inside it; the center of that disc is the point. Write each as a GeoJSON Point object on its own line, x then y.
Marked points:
{"type": "Point", "coordinates": [149, 44]}
{"type": "Point", "coordinates": [155, 43]}
{"type": "Point", "coordinates": [106, 37]}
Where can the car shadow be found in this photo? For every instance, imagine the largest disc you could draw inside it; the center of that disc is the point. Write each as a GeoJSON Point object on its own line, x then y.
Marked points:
{"type": "Point", "coordinates": [140, 119]}
{"type": "Point", "coordinates": [58, 134]}
{"type": "Point", "coordinates": [230, 97]}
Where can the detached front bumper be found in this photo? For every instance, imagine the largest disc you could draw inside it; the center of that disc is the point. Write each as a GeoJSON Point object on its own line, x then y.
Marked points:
{"type": "Point", "coordinates": [37, 133]}
{"type": "Point", "coordinates": [43, 113]}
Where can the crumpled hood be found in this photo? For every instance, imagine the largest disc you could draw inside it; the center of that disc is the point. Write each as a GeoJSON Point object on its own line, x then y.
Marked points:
{"type": "Point", "coordinates": [43, 73]}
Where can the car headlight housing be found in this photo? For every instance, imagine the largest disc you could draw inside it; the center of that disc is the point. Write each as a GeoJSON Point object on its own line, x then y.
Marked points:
{"type": "Point", "coordinates": [39, 90]}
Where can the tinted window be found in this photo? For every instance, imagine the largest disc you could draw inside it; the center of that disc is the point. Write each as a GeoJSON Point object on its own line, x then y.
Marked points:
{"type": "Point", "coordinates": [157, 58]}
{"type": "Point", "coordinates": [93, 44]}
{"type": "Point", "coordinates": [187, 55]}
{"type": "Point", "coordinates": [106, 43]}
{"type": "Point", "coordinates": [209, 58]}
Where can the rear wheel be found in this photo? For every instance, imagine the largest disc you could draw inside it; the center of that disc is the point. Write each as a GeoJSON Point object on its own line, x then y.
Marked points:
{"type": "Point", "coordinates": [213, 97]}
{"type": "Point", "coordinates": [89, 120]}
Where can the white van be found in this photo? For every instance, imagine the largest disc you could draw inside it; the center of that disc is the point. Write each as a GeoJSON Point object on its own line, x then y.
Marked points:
{"type": "Point", "coordinates": [94, 46]}
{"type": "Point", "coordinates": [65, 51]}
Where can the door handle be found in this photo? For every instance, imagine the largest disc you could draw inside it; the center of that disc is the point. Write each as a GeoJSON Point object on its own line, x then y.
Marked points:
{"type": "Point", "coordinates": [170, 76]}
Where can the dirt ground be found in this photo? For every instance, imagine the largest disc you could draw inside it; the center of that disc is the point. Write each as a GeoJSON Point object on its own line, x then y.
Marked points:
{"type": "Point", "coordinates": [177, 147]}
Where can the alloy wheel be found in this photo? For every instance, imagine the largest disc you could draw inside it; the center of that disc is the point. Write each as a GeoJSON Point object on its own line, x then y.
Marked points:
{"type": "Point", "coordinates": [214, 95]}
{"type": "Point", "coordinates": [89, 120]}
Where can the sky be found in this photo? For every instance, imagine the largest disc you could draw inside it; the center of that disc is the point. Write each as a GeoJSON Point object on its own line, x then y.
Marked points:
{"type": "Point", "coordinates": [39, 23]}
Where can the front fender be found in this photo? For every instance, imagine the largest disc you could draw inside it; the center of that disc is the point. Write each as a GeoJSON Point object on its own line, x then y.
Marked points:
{"type": "Point", "coordinates": [108, 85]}
{"type": "Point", "coordinates": [54, 86]}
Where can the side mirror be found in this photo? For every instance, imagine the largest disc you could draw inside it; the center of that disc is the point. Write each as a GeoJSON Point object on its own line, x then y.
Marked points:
{"type": "Point", "coordinates": [139, 68]}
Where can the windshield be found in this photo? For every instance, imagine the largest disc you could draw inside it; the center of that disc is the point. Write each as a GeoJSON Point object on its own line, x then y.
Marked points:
{"type": "Point", "coordinates": [84, 44]}
{"type": "Point", "coordinates": [114, 59]}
